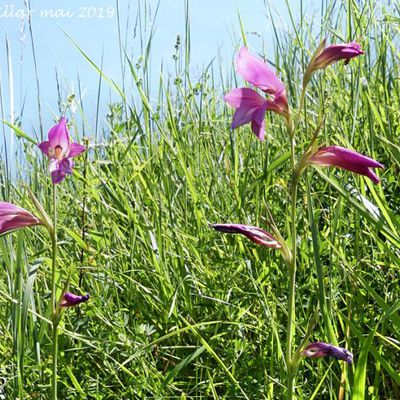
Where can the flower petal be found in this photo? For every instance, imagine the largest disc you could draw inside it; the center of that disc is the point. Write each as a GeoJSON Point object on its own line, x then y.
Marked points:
{"type": "Point", "coordinates": [258, 122]}
{"type": "Point", "coordinates": [372, 175]}
{"type": "Point", "coordinates": [54, 165]}
{"type": "Point", "coordinates": [59, 169]}
{"type": "Point", "coordinates": [57, 176]}
{"type": "Point", "coordinates": [346, 159]}
{"type": "Point", "coordinates": [336, 52]}
{"type": "Point", "coordinates": [66, 166]}
{"type": "Point", "coordinates": [244, 97]}
{"type": "Point", "coordinates": [247, 103]}
{"type": "Point", "coordinates": [280, 104]}
{"type": "Point", "coordinates": [75, 149]}
{"type": "Point", "coordinates": [257, 72]}
{"type": "Point", "coordinates": [13, 217]}
{"type": "Point", "coordinates": [338, 154]}
{"type": "Point", "coordinates": [44, 146]}
{"type": "Point", "coordinates": [58, 136]}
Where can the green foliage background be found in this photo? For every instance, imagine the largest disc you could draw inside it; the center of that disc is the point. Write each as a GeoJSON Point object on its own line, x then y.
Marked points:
{"type": "Point", "coordinates": [179, 311]}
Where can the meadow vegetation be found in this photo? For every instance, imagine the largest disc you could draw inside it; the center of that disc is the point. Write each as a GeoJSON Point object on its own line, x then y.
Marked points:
{"type": "Point", "coordinates": [177, 310]}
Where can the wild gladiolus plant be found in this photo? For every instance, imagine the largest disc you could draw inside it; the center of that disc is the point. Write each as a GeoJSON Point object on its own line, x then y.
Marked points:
{"type": "Point", "coordinates": [60, 150]}
{"type": "Point", "coordinates": [250, 107]}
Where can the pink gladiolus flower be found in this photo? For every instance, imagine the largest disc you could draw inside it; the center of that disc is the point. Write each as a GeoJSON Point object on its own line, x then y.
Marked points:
{"type": "Point", "coordinates": [325, 56]}
{"type": "Point", "coordinates": [336, 52]}
{"type": "Point", "coordinates": [346, 159]}
{"type": "Point", "coordinates": [256, 235]}
{"type": "Point", "coordinates": [69, 299]}
{"type": "Point", "coordinates": [13, 217]}
{"type": "Point", "coordinates": [250, 105]}
{"type": "Point", "coordinates": [321, 349]}
{"type": "Point", "coordinates": [60, 151]}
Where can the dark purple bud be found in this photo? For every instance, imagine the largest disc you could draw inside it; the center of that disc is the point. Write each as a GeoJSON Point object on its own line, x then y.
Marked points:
{"type": "Point", "coordinates": [69, 299]}
{"type": "Point", "coordinates": [321, 349]}
{"type": "Point", "coordinates": [256, 235]}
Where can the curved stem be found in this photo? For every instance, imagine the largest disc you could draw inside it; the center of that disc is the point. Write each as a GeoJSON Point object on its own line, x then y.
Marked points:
{"type": "Point", "coordinates": [53, 299]}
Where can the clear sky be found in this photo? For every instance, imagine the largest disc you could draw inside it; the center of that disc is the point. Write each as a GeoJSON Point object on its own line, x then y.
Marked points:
{"type": "Point", "coordinates": [92, 24]}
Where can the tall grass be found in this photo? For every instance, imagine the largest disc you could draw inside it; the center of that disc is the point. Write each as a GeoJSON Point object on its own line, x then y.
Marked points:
{"type": "Point", "coordinates": [176, 311]}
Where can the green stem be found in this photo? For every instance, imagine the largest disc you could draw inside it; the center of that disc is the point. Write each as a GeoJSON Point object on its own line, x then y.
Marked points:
{"type": "Point", "coordinates": [317, 260]}
{"type": "Point", "coordinates": [53, 299]}
{"type": "Point", "coordinates": [301, 105]}
{"type": "Point", "coordinates": [54, 364]}
{"type": "Point", "coordinates": [290, 362]}
{"type": "Point", "coordinates": [292, 357]}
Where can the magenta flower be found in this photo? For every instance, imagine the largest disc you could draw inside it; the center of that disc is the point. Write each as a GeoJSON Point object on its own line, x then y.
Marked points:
{"type": "Point", "coordinates": [321, 349]}
{"type": "Point", "coordinates": [70, 300]}
{"type": "Point", "coordinates": [337, 52]}
{"type": "Point", "coordinates": [325, 56]}
{"type": "Point", "coordinates": [256, 235]}
{"type": "Point", "coordinates": [346, 159]}
{"type": "Point", "coordinates": [13, 217]}
{"type": "Point", "coordinates": [60, 151]}
{"type": "Point", "coordinates": [250, 105]}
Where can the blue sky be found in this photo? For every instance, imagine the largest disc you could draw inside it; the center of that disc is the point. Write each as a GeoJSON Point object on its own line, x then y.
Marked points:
{"type": "Point", "coordinates": [92, 24]}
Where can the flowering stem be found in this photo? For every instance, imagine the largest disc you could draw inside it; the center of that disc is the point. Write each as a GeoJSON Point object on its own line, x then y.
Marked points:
{"type": "Point", "coordinates": [321, 287]}
{"type": "Point", "coordinates": [53, 298]}
{"type": "Point", "coordinates": [301, 105]}
{"type": "Point", "coordinates": [290, 362]}
{"type": "Point", "coordinates": [83, 219]}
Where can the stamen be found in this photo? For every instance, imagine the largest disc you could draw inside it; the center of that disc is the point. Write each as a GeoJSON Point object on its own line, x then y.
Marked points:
{"type": "Point", "coordinates": [58, 152]}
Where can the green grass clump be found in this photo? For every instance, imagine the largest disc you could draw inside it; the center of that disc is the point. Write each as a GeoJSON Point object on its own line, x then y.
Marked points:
{"type": "Point", "coordinates": [178, 311]}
